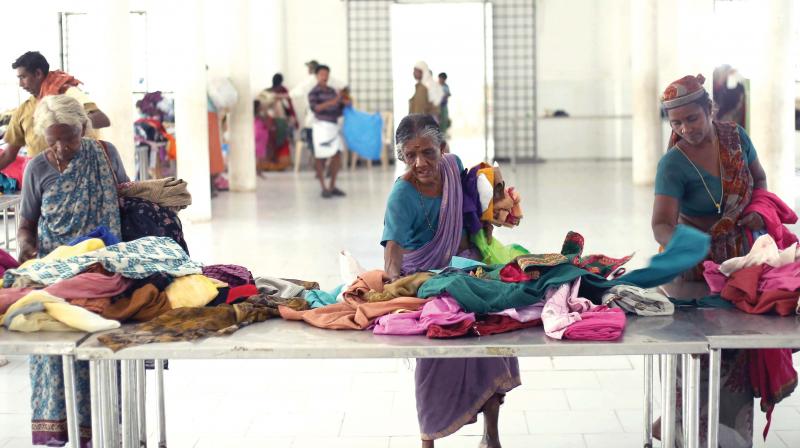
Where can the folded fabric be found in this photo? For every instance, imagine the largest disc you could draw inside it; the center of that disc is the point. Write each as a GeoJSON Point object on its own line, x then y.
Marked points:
{"type": "Point", "coordinates": [764, 251]}
{"type": "Point", "coordinates": [599, 324]}
{"type": "Point", "coordinates": [597, 264]}
{"type": "Point", "coordinates": [457, 330]}
{"type": "Point", "coordinates": [221, 298]}
{"type": "Point", "coordinates": [72, 316]}
{"type": "Point", "coordinates": [513, 273]}
{"type": "Point", "coordinates": [166, 192]}
{"type": "Point", "coordinates": [743, 291]}
{"type": "Point", "coordinates": [442, 310]}
{"type": "Point", "coordinates": [772, 377]}
{"type": "Point", "coordinates": [402, 287]}
{"type": "Point", "coordinates": [90, 285]}
{"type": "Point", "coordinates": [640, 301]}
{"type": "Point", "coordinates": [191, 291]}
{"type": "Point", "coordinates": [7, 262]}
{"type": "Point", "coordinates": [140, 218]}
{"type": "Point", "coordinates": [10, 295]}
{"type": "Point", "coordinates": [317, 298]}
{"type": "Point", "coordinates": [240, 293]}
{"type": "Point", "coordinates": [146, 303]}
{"type": "Point", "coordinates": [135, 259]}
{"type": "Point", "coordinates": [65, 252]}
{"type": "Point", "coordinates": [364, 283]}
{"type": "Point", "coordinates": [485, 326]}
{"type": "Point", "coordinates": [775, 213]}
{"type": "Point", "coordinates": [351, 314]}
{"type": "Point", "coordinates": [563, 308]}
{"type": "Point", "coordinates": [188, 324]}
{"type": "Point", "coordinates": [278, 287]}
{"type": "Point", "coordinates": [94, 304]}
{"type": "Point", "coordinates": [30, 308]}
{"type": "Point", "coordinates": [103, 233]}
{"type": "Point", "coordinates": [231, 274]}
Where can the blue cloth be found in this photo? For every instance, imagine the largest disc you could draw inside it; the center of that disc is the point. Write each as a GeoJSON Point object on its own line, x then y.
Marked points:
{"type": "Point", "coordinates": [102, 232]}
{"type": "Point", "coordinates": [404, 221]}
{"type": "Point", "coordinates": [7, 184]}
{"type": "Point", "coordinates": [676, 177]}
{"type": "Point", "coordinates": [363, 133]}
{"type": "Point", "coordinates": [687, 247]}
{"type": "Point", "coordinates": [317, 298]}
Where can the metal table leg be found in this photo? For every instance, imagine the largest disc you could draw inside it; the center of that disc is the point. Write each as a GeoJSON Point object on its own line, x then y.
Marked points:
{"type": "Point", "coordinates": [668, 400]}
{"type": "Point", "coordinates": [714, 365]}
{"type": "Point", "coordinates": [684, 391]}
{"type": "Point", "coordinates": [141, 401]}
{"type": "Point", "coordinates": [691, 408]}
{"type": "Point", "coordinates": [648, 401]}
{"type": "Point", "coordinates": [95, 386]}
{"type": "Point", "coordinates": [127, 403]}
{"type": "Point", "coordinates": [70, 402]}
{"type": "Point", "coordinates": [111, 402]}
{"type": "Point", "coordinates": [161, 418]}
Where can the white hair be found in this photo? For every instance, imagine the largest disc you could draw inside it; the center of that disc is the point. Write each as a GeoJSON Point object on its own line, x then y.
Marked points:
{"type": "Point", "coordinates": [59, 109]}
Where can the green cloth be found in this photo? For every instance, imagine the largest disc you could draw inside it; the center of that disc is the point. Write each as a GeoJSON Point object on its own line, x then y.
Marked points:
{"type": "Point", "coordinates": [495, 252]}
{"type": "Point", "coordinates": [676, 177]}
{"type": "Point", "coordinates": [687, 247]}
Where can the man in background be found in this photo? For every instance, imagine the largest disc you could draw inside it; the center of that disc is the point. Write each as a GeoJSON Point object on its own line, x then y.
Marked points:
{"type": "Point", "coordinates": [35, 77]}
{"type": "Point", "coordinates": [327, 104]}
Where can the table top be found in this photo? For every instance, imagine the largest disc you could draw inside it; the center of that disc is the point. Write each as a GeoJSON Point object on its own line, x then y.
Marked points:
{"type": "Point", "coordinates": [283, 339]}
{"type": "Point", "coordinates": [9, 200]}
{"type": "Point", "coordinates": [39, 343]}
{"type": "Point", "coordinates": [731, 328]}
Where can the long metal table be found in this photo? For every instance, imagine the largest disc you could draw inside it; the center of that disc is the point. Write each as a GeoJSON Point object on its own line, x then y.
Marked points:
{"type": "Point", "coordinates": [734, 329]}
{"type": "Point", "coordinates": [281, 339]}
{"type": "Point", "coordinates": [62, 344]}
{"type": "Point", "coordinates": [9, 204]}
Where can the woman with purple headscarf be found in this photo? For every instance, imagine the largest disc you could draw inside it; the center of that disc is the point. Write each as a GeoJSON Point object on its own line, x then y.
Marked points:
{"type": "Point", "coordinates": [423, 229]}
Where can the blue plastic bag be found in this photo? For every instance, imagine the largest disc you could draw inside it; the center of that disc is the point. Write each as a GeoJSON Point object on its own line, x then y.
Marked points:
{"type": "Point", "coordinates": [363, 133]}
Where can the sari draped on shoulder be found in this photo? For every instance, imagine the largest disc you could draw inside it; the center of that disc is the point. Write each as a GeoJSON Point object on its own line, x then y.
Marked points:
{"type": "Point", "coordinates": [83, 198]}
{"type": "Point", "coordinates": [451, 392]}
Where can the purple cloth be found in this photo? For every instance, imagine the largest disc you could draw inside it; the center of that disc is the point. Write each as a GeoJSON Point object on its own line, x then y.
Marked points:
{"type": "Point", "coordinates": [451, 391]}
{"type": "Point", "coordinates": [231, 274]}
{"type": "Point", "coordinates": [436, 253]}
{"type": "Point", "coordinates": [472, 203]}
{"type": "Point", "coordinates": [443, 310]}
{"type": "Point", "coordinates": [7, 262]}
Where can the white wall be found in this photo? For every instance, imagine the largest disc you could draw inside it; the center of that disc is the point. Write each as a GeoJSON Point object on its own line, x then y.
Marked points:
{"type": "Point", "coordinates": [315, 29]}
{"type": "Point", "coordinates": [583, 68]}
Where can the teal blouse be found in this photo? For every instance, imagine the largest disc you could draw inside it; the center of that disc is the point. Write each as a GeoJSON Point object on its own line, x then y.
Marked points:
{"type": "Point", "coordinates": [676, 177]}
{"type": "Point", "coordinates": [404, 221]}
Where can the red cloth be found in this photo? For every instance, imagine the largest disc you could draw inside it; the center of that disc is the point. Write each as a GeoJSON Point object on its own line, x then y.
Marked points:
{"type": "Point", "coordinates": [775, 214]}
{"type": "Point", "coordinates": [241, 292]}
{"type": "Point", "coordinates": [599, 324]}
{"type": "Point", "coordinates": [16, 169]}
{"type": "Point", "coordinates": [484, 326]}
{"type": "Point", "coordinates": [512, 273]}
{"type": "Point", "coordinates": [57, 83]}
{"type": "Point", "coordinates": [772, 377]}
{"type": "Point", "coordinates": [743, 291]}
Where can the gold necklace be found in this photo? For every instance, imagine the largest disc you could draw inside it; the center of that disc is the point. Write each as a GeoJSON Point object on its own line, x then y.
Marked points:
{"type": "Point", "coordinates": [717, 204]}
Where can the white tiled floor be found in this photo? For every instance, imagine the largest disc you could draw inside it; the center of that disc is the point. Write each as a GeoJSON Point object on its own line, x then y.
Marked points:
{"type": "Point", "coordinates": [286, 229]}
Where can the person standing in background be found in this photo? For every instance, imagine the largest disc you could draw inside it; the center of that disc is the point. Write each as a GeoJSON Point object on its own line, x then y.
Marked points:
{"type": "Point", "coordinates": [444, 112]}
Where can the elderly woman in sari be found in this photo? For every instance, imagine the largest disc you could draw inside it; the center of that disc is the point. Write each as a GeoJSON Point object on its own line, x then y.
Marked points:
{"type": "Point", "coordinates": [68, 191]}
{"type": "Point", "coordinates": [706, 180]}
{"type": "Point", "coordinates": [423, 229]}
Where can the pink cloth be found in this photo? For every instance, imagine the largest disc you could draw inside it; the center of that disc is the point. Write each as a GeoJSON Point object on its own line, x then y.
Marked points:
{"type": "Point", "coordinates": [775, 214]}
{"type": "Point", "coordinates": [562, 308]}
{"type": "Point", "coordinates": [443, 310]}
{"type": "Point", "coordinates": [262, 136]}
{"type": "Point", "coordinates": [90, 285]}
{"type": "Point", "coordinates": [7, 262]}
{"type": "Point", "coordinates": [599, 324]}
{"type": "Point", "coordinates": [784, 278]}
{"type": "Point", "coordinates": [525, 314]}
{"type": "Point", "coordinates": [9, 296]}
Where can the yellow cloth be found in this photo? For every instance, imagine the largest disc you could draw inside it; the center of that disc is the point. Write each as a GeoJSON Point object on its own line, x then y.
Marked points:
{"type": "Point", "coordinates": [20, 128]}
{"type": "Point", "coordinates": [64, 252]}
{"type": "Point", "coordinates": [58, 310]}
{"type": "Point", "coordinates": [191, 291]}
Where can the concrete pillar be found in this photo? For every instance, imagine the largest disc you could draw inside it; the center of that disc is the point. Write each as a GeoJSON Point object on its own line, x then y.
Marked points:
{"type": "Point", "coordinates": [646, 124]}
{"type": "Point", "coordinates": [772, 93]}
{"type": "Point", "coordinates": [241, 156]}
{"type": "Point", "coordinates": [191, 108]}
{"type": "Point", "coordinates": [113, 90]}
{"type": "Point", "coordinates": [267, 47]}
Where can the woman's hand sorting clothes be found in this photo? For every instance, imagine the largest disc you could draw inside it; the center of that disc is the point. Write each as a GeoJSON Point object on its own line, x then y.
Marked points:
{"type": "Point", "coordinates": [752, 221]}
{"type": "Point", "coordinates": [27, 253]}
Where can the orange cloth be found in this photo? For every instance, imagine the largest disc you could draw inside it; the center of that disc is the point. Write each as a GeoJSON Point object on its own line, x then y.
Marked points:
{"type": "Point", "coordinates": [57, 83]}
{"type": "Point", "coordinates": [146, 303]}
{"type": "Point", "coordinates": [355, 313]}
{"type": "Point", "coordinates": [215, 159]}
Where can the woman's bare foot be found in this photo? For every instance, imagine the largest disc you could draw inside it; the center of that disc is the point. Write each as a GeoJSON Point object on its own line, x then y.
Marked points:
{"type": "Point", "coordinates": [491, 414]}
